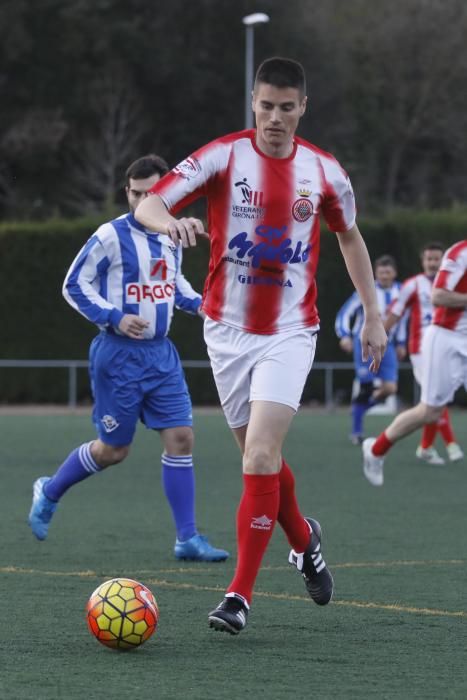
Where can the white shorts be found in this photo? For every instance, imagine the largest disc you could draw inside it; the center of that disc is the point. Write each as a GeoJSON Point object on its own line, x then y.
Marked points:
{"type": "Point", "coordinates": [251, 367]}
{"type": "Point", "coordinates": [444, 365]}
{"type": "Point", "coordinates": [416, 361]}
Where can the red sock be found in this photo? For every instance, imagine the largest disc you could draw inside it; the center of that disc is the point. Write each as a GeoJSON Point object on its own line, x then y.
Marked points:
{"type": "Point", "coordinates": [289, 517]}
{"type": "Point", "coordinates": [256, 517]}
{"type": "Point", "coordinates": [381, 445]}
{"type": "Point", "coordinates": [428, 435]}
{"type": "Point", "coordinates": [445, 428]}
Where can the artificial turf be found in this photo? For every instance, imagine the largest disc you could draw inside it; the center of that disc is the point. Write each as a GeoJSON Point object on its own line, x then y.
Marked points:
{"type": "Point", "coordinates": [397, 626]}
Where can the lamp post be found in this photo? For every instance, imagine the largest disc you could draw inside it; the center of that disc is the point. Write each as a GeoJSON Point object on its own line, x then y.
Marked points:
{"type": "Point", "coordinates": [250, 21]}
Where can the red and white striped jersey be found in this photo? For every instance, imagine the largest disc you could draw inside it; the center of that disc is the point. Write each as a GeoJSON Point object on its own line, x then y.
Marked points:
{"type": "Point", "coordinates": [452, 275]}
{"type": "Point", "coordinates": [263, 221]}
{"type": "Point", "coordinates": [415, 298]}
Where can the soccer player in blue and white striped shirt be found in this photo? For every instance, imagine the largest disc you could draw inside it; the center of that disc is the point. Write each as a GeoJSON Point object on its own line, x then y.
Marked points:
{"type": "Point", "coordinates": [127, 280]}
{"type": "Point", "coordinates": [348, 326]}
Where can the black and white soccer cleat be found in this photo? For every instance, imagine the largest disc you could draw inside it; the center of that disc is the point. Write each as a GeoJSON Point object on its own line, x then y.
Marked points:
{"type": "Point", "coordinates": [318, 579]}
{"type": "Point", "coordinates": [231, 615]}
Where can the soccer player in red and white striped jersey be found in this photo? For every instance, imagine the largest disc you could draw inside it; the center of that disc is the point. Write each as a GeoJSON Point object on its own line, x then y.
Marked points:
{"type": "Point", "coordinates": [444, 361]}
{"type": "Point", "coordinates": [415, 299]}
{"type": "Point", "coordinates": [266, 189]}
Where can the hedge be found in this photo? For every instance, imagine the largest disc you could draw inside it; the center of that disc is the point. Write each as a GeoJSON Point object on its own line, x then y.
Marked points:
{"type": "Point", "coordinates": [36, 323]}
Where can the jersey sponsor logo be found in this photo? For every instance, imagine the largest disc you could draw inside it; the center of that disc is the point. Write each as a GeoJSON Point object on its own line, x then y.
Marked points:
{"type": "Point", "coordinates": [109, 423]}
{"type": "Point", "coordinates": [250, 196]}
{"type": "Point", "coordinates": [302, 209]}
{"type": "Point", "coordinates": [229, 259]}
{"type": "Point", "coordinates": [248, 212]}
{"type": "Point", "coordinates": [258, 279]}
{"type": "Point", "coordinates": [188, 168]}
{"type": "Point", "coordinates": [271, 249]}
{"type": "Point", "coordinates": [251, 206]}
{"type": "Point", "coordinates": [158, 269]}
{"type": "Point", "coordinates": [157, 293]}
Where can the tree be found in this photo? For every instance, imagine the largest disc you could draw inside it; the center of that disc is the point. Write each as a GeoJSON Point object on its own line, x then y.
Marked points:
{"type": "Point", "coordinates": [107, 144]}
{"type": "Point", "coordinates": [87, 85]}
{"type": "Point", "coordinates": [407, 58]}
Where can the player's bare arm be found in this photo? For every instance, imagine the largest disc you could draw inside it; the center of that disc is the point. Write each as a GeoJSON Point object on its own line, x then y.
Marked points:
{"type": "Point", "coordinates": [133, 326]}
{"type": "Point", "coordinates": [357, 260]}
{"type": "Point", "coordinates": [390, 321]}
{"type": "Point", "coordinates": [445, 297]}
{"type": "Point", "coordinates": [154, 215]}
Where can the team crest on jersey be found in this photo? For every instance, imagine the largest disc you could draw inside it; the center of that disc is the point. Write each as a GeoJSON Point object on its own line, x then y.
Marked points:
{"type": "Point", "coordinates": [302, 209]}
{"type": "Point", "coordinates": [188, 168]}
{"type": "Point", "coordinates": [158, 269]}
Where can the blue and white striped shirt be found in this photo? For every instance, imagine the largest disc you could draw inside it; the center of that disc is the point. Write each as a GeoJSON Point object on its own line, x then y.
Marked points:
{"type": "Point", "coordinates": [349, 319]}
{"type": "Point", "coordinates": [126, 269]}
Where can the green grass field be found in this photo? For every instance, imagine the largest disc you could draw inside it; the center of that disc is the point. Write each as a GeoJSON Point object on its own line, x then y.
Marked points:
{"type": "Point", "coordinates": [397, 627]}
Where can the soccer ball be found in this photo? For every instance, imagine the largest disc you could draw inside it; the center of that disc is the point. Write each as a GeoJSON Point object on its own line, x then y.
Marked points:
{"type": "Point", "coordinates": [122, 613]}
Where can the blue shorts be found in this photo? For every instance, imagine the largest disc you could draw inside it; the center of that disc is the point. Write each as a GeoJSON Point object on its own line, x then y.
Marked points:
{"type": "Point", "coordinates": [135, 380]}
{"type": "Point", "coordinates": [388, 369]}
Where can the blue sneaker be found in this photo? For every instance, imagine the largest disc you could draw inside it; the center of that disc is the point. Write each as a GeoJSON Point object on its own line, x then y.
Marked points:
{"type": "Point", "coordinates": [42, 509]}
{"type": "Point", "coordinates": [197, 548]}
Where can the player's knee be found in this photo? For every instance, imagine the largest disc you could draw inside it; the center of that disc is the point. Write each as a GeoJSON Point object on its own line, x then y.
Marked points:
{"type": "Point", "coordinates": [388, 389]}
{"type": "Point", "coordinates": [106, 455]}
{"type": "Point", "coordinates": [260, 459]}
{"type": "Point", "coordinates": [178, 441]}
{"type": "Point", "coordinates": [119, 454]}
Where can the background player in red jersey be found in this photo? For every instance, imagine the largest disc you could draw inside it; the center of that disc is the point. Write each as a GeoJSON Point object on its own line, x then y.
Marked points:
{"type": "Point", "coordinates": [415, 299]}
{"type": "Point", "coordinates": [266, 189]}
{"type": "Point", "coordinates": [444, 361]}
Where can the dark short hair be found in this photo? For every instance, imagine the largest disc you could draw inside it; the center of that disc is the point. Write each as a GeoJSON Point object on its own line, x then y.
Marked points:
{"type": "Point", "coordinates": [282, 73]}
{"type": "Point", "coordinates": [385, 261]}
{"type": "Point", "coordinates": [146, 166]}
{"type": "Point", "coordinates": [432, 245]}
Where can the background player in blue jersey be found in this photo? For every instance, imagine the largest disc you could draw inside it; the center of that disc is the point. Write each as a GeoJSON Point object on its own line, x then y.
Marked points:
{"type": "Point", "coordinates": [127, 281]}
{"type": "Point", "coordinates": [348, 327]}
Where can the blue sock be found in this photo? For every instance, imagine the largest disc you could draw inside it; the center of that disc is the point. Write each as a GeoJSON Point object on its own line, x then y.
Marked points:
{"type": "Point", "coordinates": [78, 466]}
{"type": "Point", "coordinates": [358, 411]}
{"type": "Point", "coordinates": [178, 479]}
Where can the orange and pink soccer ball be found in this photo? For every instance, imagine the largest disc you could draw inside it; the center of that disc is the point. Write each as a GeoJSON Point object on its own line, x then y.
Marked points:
{"type": "Point", "coordinates": [122, 613]}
